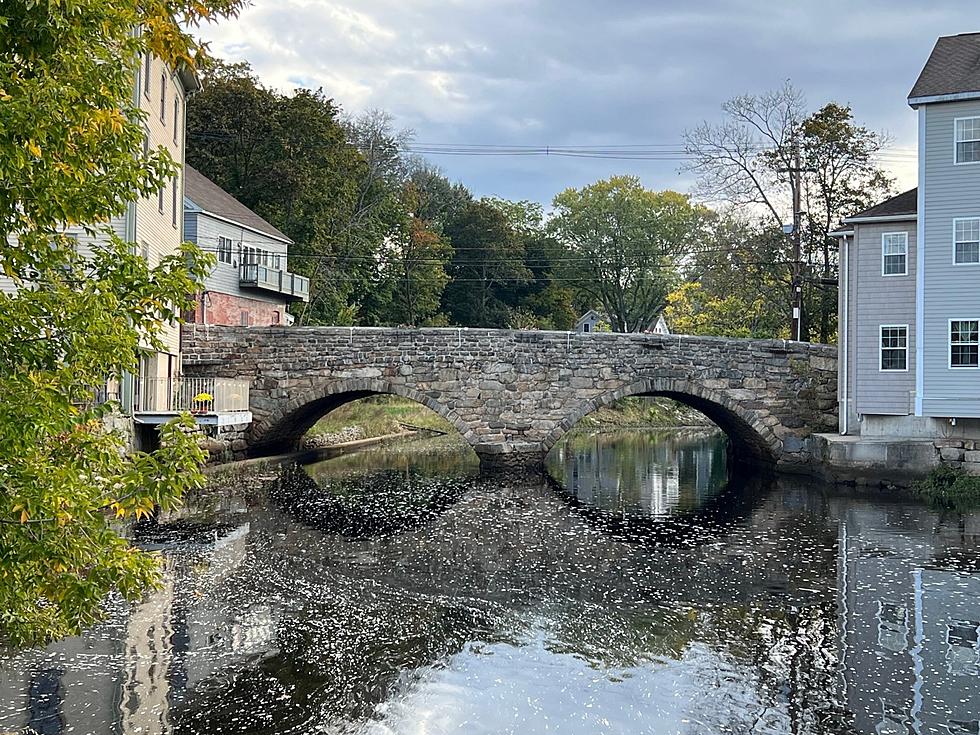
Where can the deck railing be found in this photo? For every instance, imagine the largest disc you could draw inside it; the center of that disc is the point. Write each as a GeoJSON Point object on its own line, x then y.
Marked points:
{"type": "Point", "coordinates": [273, 279]}
{"type": "Point", "coordinates": [197, 395]}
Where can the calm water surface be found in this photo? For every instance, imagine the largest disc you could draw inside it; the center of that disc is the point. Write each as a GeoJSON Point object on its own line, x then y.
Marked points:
{"type": "Point", "coordinates": [392, 591]}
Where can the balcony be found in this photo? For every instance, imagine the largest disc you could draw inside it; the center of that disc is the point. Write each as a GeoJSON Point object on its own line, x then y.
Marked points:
{"type": "Point", "coordinates": [214, 401]}
{"type": "Point", "coordinates": [289, 285]}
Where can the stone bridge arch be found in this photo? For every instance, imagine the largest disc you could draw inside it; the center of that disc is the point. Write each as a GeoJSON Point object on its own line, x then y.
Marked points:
{"type": "Point", "coordinates": [284, 428]}
{"type": "Point", "coordinates": [751, 439]}
{"type": "Point", "coordinates": [513, 394]}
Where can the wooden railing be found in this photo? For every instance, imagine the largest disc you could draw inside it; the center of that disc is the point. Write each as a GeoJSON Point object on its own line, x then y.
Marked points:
{"type": "Point", "coordinates": [197, 395]}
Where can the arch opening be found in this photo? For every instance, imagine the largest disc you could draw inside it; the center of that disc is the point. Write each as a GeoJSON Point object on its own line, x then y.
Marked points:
{"type": "Point", "coordinates": [750, 442]}
{"type": "Point", "coordinates": [285, 430]}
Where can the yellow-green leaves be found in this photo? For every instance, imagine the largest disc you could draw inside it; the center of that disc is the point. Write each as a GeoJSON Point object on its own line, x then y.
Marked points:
{"type": "Point", "coordinates": [71, 154]}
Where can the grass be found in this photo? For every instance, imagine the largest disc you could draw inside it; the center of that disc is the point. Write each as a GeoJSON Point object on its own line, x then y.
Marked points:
{"type": "Point", "coordinates": [645, 412]}
{"type": "Point", "coordinates": [949, 488]}
{"type": "Point", "coordinates": [380, 415]}
{"type": "Point", "coordinates": [384, 414]}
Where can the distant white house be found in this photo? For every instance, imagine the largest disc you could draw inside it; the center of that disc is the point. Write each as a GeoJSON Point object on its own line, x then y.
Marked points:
{"type": "Point", "coordinates": [591, 319]}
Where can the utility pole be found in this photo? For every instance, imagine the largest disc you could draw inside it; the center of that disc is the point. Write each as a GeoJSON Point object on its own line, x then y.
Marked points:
{"type": "Point", "coordinates": [796, 177]}
{"type": "Point", "coordinates": [795, 171]}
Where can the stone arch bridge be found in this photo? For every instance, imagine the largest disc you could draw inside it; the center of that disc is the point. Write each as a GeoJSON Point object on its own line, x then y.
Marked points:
{"type": "Point", "coordinates": [513, 394]}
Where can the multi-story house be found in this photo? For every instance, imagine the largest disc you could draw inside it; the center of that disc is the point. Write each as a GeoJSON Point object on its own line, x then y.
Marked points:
{"type": "Point", "coordinates": [250, 284]}
{"type": "Point", "coordinates": [154, 226]}
{"type": "Point", "coordinates": [910, 273]}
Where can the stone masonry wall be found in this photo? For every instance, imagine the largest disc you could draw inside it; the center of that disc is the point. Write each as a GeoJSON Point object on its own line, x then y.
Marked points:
{"type": "Point", "coordinates": [519, 391]}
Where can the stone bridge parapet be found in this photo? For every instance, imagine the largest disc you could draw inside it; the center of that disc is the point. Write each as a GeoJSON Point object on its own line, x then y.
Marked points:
{"type": "Point", "coordinates": [513, 394]}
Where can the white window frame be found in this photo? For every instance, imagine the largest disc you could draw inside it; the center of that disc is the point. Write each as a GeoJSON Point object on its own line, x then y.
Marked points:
{"type": "Point", "coordinates": [147, 70]}
{"type": "Point", "coordinates": [224, 249]}
{"type": "Point", "coordinates": [956, 121]}
{"type": "Point", "coordinates": [905, 272]}
{"type": "Point", "coordinates": [956, 221]}
{"type": "Point", "coordinates": [882, 348]}
{"type": "Point", "coordinates": [949, 341]}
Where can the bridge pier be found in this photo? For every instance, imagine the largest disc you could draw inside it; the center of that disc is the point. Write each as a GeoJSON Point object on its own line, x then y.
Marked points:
{"type": "Point", "coordinates": [512, 459]}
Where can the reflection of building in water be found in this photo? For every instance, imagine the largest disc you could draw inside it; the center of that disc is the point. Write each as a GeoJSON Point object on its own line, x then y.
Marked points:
{"type": "Point", "coordinates": [177, 636]}
{"type": "Point", "coordinates": [641, 473]}
{"type": "Point", "coordinates": [910, 616]}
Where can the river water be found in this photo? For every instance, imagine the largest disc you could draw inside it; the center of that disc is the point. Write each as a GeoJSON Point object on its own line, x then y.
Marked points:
{"type": "Point", "coordinates": [643, 591]}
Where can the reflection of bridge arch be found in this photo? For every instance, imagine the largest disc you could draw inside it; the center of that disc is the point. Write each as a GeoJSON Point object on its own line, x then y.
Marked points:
{"type": "Point", "coordinates": [751, 439]}
{"type": "Point", "coordinates": [283, 430]}
{"type": "Point", "coordinates": [512, 394]}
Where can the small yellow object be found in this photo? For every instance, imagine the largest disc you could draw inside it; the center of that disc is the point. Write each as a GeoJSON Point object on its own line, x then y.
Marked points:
{"type": "Point", "coordinates": [203, 397]}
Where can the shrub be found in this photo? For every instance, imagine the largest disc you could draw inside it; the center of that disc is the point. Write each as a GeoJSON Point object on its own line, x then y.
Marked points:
{"type": "Point", "coordinates": [949, 488]}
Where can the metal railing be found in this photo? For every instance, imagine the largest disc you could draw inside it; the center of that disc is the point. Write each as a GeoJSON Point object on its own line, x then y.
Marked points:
{"type": "Point", "coordinates": [273, 279]}
{"type": "Point", "coordinates": [197, 395]}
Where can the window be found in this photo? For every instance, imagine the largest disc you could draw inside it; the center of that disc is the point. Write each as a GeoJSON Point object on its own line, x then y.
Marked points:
{"type": "Point", "coordinates": [964, 343]}
{"type": "Point", "coordinates": [894, 347]}
{"type": "Point", "coordinates": [176, 118]}
{"type": "Point", "coordinates": [967, 140]}
{"type": "Point", "coordinates": [145, 251]}
{"type": "Point", "coordinates": [966, 240]}
{"type": "Point", "coordinates": [278, 263]}
{"type": "Point", "coordinates": [275, 317]}
{"type": "Point", "coordinates": [962, 647]}
{"type": "Point", "coordinates": [173, 202]}
{"type": "Point", "coordinates": [894, 254]}
{"type": "Point", "coordinates": [160, 200]}
{"type": "Point", "coordinates": [146, 74]}
{"type": "Point", "coordinates": [244, 319]}
{"type": "Point", "coordinates": [163, 98]}
{"type": "Point", "coordinates": [146, 144]}
{"type": "Point", "coordinates": [224, 250]}
{"type": "Point", "coordinates": [893, 626]}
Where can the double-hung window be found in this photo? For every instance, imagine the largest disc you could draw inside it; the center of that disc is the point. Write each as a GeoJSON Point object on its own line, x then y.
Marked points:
{"type": "Point", "coordinates": [173, 201]}
{"type": "Point", "coordinates": [964, 343]}
{"type": "Point", "coordinates": [894, 347]}
{"type": "Point", "coordinates": [966, 240]}
{"type": "Point", "coordinates": [967, 139]}
{"type": "Point", "coordinates": [146, 74]}
{"type": "Point", "coordinates": [895, 254]}
{"type": "Point", "coordinates": [163, 98]}
{"type": "Point", "coordinates": [224, 250]}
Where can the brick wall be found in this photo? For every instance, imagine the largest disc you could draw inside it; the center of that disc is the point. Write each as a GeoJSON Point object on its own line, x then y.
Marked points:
{"type": "Point", "coordinates": [227, 310]}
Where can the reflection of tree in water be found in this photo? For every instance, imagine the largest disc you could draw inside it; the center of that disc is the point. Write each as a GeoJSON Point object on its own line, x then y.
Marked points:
{"type": "Point", "coordinates": [503, 562]}
{"type": "Point", "coordinates": [369, 504]}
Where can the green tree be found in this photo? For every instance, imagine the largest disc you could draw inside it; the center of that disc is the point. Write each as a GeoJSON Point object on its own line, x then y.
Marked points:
{"type": "Point", "coordinates": [745, 162]}
{"type": "Point", "coordinates": [488, 261]}
{"type": "Point", "coordinates": [326, 182]}
{"type": "Point", "coordinates": [71, 156]}
{"type": "Point", "coordinates": [622, 246]}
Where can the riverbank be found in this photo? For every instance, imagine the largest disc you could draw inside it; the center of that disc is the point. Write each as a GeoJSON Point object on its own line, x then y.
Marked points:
{"type": "Point", "coordinates": [384, 415]}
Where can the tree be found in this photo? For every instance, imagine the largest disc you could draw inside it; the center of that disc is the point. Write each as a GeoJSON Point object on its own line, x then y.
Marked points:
{"type": "Point", "coordinates": [746, 161]}
{"type": "Point", "coordinates": [295, 161]}
{"type": "Point", "coordinates": [488, 260]}
{"type": "Point", "coordinates": [71, 155]}
{"type": "Point", "coordinates": [622, 246]}
{"type": "Point", "coordinates": [411, 269]}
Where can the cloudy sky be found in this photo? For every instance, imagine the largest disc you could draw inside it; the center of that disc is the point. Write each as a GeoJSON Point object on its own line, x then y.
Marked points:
{"type": "Point", "coordinates": [590, 73]}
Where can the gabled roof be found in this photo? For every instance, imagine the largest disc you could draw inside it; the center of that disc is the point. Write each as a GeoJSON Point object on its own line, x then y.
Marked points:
{"type": "Point", "coordinates": [902, 206]}
{"type": "Point", "coordinates": [211, 199]}
{"type": "Point", "coordinates": [953, 70]}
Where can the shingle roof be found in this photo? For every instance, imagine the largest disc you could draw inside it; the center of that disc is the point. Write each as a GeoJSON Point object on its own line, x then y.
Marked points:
{"type": "Point", "coordinates": [953, 67]}
{"type": "Point", "coordinates": [904, 204]}
{"type": "Point", "coordinates": [214, 200]}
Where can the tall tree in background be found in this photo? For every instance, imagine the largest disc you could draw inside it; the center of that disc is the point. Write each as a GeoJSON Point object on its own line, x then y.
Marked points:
{"type": "Point", "coordinates": [71, 155]}
{"type": "Point", "coordinates": [488, 261]}
{"type": "Point", "coordinates": [622, 245]}
{"type": "Point", "coordinates": [745, 162]}
{"type": "Point", "coordinates": [290, 158]}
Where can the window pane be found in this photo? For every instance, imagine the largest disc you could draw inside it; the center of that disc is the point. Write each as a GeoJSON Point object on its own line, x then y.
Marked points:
{"type": "Point", "coordinates": [967, 230]}
{"type": "Point", "coordinates": [894, 265]}
{"type": "Point", "coordinates": [964, 356]}
{"type": "Point", "coordinates": [964, 330]}
{"type": "Point", "coordinates": [893, 359]}
{"type": "Point", "coordinates": [968, 152]}
{"type": "Point", "coordinates": [968, 129]}
{"type": "Point", "coordinates": [967, 252]}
